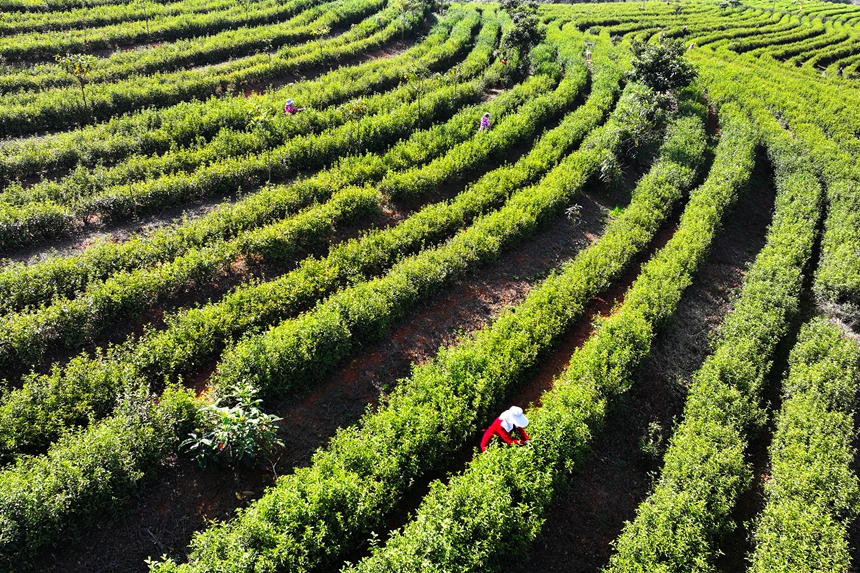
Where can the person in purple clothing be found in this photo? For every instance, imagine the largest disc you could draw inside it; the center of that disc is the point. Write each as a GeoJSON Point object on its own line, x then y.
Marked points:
{"type": "Point", "coordinates": [485, 122]}
{"type": "Point", "coordinates": [290, 109]}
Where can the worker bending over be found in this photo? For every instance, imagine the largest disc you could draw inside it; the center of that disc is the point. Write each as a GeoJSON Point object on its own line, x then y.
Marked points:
{"type": "Point", "coordinates": [509, 420]}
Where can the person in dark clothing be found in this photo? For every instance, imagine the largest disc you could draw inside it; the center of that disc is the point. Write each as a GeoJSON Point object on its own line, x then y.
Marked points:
{"type": "Point", "coordinates": [504, 426]}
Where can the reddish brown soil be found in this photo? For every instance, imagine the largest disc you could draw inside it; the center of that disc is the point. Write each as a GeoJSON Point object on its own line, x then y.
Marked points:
{"type": "Point", "coordinates": [585, 518]}
{"type": "Point", "coordinates": [600, 306]}
{"type": "Point", "coordinates": [241, 271]}
{"type": "Point", "coordinates": [183, 499]}
{"type": "Point", "coordinates": [617, 476]}
{"type": "Point", "coordinates": [462, 308]}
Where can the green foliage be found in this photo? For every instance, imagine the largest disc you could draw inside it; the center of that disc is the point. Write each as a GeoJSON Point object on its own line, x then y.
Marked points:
{"type": "Point", "coordinates": [81, 439]}
{"type": "Point", "coordinates": [662, 66]}
{"type": "Point", "coordinates": [29, 37]}
{"type": "Point", "coordinates": [485, 517]}
{"type": "Point", "coordinates": [424, 419]}
{"type": "Point", "coordinates": [23, 113]}
{"type": "Point", "coordinates": [80, 66]}
{"type": "Point", "coordinates": [230, 435]}
{"type": "Point", "coordinates": [812, 491]}
{"type": "Point", "coordinates": [194, 335]}
{"type": "Point", "coordinates": [369, 466]}
{"type": "Point", "coordinates": [652, 445]}
{"type": "Point", "coordinates": [199, 331]}
{"type": "Point", "coordinates": [362, 313]}
{"type": "Point", "coordinates": [261, 121]}
{"type": "Point", "coordinates": [524, 34]}
{"type": "Point", "coordinates": [158, 130]}
{"type": "Point", "coordinates": [816, 114]}
{"type": "Point", "coordinates": [87, 472]}
{"type": "Point", "coordinates": [132, 198]}
{"type": "Point", "coordinates": [678, 526]}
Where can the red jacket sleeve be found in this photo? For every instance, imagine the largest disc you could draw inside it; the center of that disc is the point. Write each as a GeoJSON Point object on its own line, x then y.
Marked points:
{"type": "Point", "coordinates": [496, 429]}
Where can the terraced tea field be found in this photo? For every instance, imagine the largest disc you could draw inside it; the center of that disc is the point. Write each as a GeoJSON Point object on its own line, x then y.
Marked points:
{"type": "Point", "coordinates": [239, 339]}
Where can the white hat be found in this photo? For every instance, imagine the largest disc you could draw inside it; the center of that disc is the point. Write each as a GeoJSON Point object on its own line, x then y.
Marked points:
{"type": "Point", "coordinates": [512, 417]}
{"type": "Point", "coordinates": [488, 115]}
{"type": "Point", "coordinates": [289, 102]}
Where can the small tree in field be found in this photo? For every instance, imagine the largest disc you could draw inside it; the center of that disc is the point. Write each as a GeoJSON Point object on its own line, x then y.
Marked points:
{"type": "Point", "coordinates": [662, 66]}
{"type": "Point", "coordinates": [319, 33]}
{"type": "Point", "coordinates": [79, 65]}
{"type": "Point", "coordinates": [525, 34]}
{"type": "Point", "coordinates": [235, 435]}
{"type": "Point", "coordinates": [410, 11]}
{"type": "Point", "coordinates": [417, 80]}
{"type": "Point", "coordinates": [659, 71]}
{"type": "Point", "coordinates": [354, 110]}
{"type": "Point", "coordinates": [142, 4]}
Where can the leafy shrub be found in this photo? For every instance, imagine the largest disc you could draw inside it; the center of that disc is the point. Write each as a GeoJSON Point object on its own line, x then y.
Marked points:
{"type": "Point", "coordinates": [486, 516]}
{"type": "Point", "coordinates": [812, 494]}
{"type": "Point", "coordinates": [87, 471]}
{"type": "Point", "coordinates": [357, 479]}
{"type": "Point", "coordinates": [662, 66]}
{"type": "Point", "coordinates": [679, 525]}
{"type": "Point", "coordinates": [229, 435]}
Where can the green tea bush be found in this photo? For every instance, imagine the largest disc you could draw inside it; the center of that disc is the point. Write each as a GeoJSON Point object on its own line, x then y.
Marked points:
{"type": "Point", "coordinates": [56, 18]}
{"type": "Point", "coordinates": [26, 112]}
{"type": "Point", "coordinates": [173, 23]}
{"type": "Point", "coordinates": [225, 176]}
{"type": "Point", "coordinates": [158, 130]}
{"type": "Point", "coordinates": [678, 526]}
{"type": "Point", "coordinates": [24, 285]}
{"type": "Point", "coordinates": [86, 472]}
{"type": "Point", "coordinates": [824, 125]}
{"type": "Point", "coordinates": [196, 335]}
{"type": "Point", "coordinates": [228, 435]}
{"type": "Point", "coordinates": [812, 494]}
{"type": "Point", "coordinates": [167, 56]}
{"type": "Point", "coordinates": [486, 516]}
{"type": "Point", "coordinates": [297, 352]}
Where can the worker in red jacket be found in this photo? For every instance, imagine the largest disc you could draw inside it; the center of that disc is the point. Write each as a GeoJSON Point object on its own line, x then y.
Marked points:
{"type": "Point", "coordinates": [504, 425]}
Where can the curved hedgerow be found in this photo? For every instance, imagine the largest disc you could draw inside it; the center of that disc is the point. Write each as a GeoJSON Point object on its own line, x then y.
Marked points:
{"type": "Point", "coordinates": [26, 336]}
{"type": "Point", "coordinates": [561, 179]}
{"type": "Point", "coordinates": [154, 131]}
{"type": "Point", "coordinates": [27, 112]}
{"type": "Point", "coordinates": [366, 469]}
{"type": "Point", "coordinates": [87, 387]}
{"type": "Point", "coordinates": [678, 527]}
{"type": "Point", "coordinates": [35, 221]}
{"type": "Point", "coordinates": [87, 472]}
{"type": "Point", "coordinates": [824, 123]}
{"type": "Point", "coordinates": [300, 19]}
{"type": "Point", "coordinates": [81, 437]}
{"type": "Point", "coordinates": [812, 492]}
